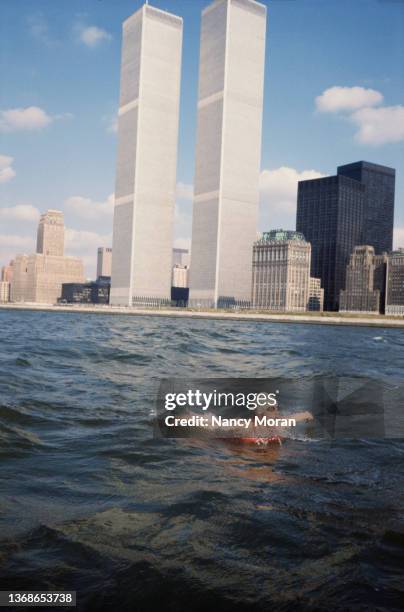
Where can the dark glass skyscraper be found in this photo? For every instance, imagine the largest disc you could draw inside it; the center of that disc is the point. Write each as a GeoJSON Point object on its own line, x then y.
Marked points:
{"type": "Point", "coordinates": [330, 216]}
{"type": "Point", "coordinates": [378, 209]}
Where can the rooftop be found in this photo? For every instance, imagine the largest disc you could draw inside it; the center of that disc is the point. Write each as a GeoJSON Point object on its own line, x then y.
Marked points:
{"type": "Point", "coordinates": [281, 235]}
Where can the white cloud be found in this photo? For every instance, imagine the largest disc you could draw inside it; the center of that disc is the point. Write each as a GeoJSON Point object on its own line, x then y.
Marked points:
{"type": "Point", "coordinates": [92, 36]}
{"type": "Point", "coordinates": [86, 208]}
{"type": "Point", "coordinates": [184, 191]}
{"type": "Point", "coordinates": [95, 220]}
{"type": "Point", "coordinates": [18, 225]}
{"type": "Point", "coordinates": [30, 118]}
{"type": "Point", "coordinates": [13, 244]}
{"type": "Point", "coordinates": [379, 126]}
{"type": "Point", "coordinates": [278, 195]}
{"type": "Point", "coordinates": [337, 99]}
{"type": "Point", "coordinates": [84, 244]}
{"type": "Point", "coordinates": [376, 126]}
{"type": "Point", "coordinates": [80, 241]}
{"type": "Point", "coordinates": [7, 172]}
{"type": "Point", "coordinates": [398, 237]}
{"type": "Point", "coordinates": [20, 212]}
{"type": "Point", "coordinates": [16, 243]}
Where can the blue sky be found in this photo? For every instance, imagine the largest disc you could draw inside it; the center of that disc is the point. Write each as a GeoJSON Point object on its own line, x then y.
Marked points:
{"type": "Point", "coordinates": [59, 66]}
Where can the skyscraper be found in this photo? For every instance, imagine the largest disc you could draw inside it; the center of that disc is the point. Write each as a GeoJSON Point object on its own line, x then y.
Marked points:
{"type": "Point", "coordinates": [330, 215]}
{"type": "Point", "coordinates": [104, 258]}
{"type": "Point", "coordinates": [147, 157]}
{"type": "Point", "coordinates": [365, 281]}
{"type": "Point", "coordinates": [281, 271]}
{"type": "Point", "coordinates": [395, 283]}
{"type": "Point", "coordinates": [228, 151]}
{"type": "Point", "coordinates": [51, 233]}
{"type": "Point", "coordinates": [378, 209]}
{"type": "Point", "coordinates": [181, 257]}
{"type": "Point", "coordinates": [39, 277]}
{"type": "Point", "coordinates": [7, 272]}
{"type": "Point", "coordinates": [316, 295]}
{"type": "Point", "coordinates": [180, 276]}
{"type": "Point", "coordinates": [4, 291]}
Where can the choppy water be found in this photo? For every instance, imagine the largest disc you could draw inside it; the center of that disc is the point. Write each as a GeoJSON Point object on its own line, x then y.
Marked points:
{"type": "Point", "coordinates": [90, 501]}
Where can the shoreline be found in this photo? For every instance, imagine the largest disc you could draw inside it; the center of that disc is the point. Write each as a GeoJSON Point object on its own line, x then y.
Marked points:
{"type": "Point", "coordinates": [304, 318]}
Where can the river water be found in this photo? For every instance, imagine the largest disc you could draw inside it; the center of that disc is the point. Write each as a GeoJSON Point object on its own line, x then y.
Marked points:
{"type": "Point", "coordinates": [91, 501]}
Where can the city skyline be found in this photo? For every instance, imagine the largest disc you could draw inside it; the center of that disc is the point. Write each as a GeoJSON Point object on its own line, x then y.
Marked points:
{"type": "Point", "coordinates": [340, 98]}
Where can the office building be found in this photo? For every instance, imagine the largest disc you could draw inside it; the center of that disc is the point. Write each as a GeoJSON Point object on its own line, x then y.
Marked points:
{"type": "Point", "coordinates": [378, 205]}
{"type": "Point", "coordinates": [147, 158]}
{"type": "Point", "coordinates": [5, 282]}
{"type": "Point", "coordinates": [395, 283]}
{"type": "Point", "coordinates": [51, 234]}
{"type": "Point", "coordinates": [228, 152]}
{"type": "Point", "coordinates": [180, 280]}
{"type": "Point", "coordinates": [179, 296]}
{"type": "Point", "coordinates": [19, 284]}
{"type": "Point", "coordinates": [365, 282]}
{"type": "Point", "coordinates": [4, 291]}
{"type": "Point", "coordinates": [316, 295]}
{"type": "Point", "coordinates": [180, 276]}
{"type": "Point", "coordinates": [86, 293]}
{"type": "Point", "coordinates": [181, 257]}
{"type": "Point", "coordinates": [281, 271]}
{"type": "Point", "coordinates": [39, 277]}
{"type": "Point", "coordinates": [330, 216]}
{"type": "Point", "coordinates": [104, 258]}
{"type": "Point", "coordinates": [7, 272]}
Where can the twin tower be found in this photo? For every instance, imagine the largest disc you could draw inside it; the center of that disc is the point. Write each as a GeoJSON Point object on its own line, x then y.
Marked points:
{"type": "Point", "coordinates": [228, 152]}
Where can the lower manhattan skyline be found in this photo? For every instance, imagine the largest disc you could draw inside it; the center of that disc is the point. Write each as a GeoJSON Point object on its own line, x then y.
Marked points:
{"type": "Point", "coordinates": [326, 104]}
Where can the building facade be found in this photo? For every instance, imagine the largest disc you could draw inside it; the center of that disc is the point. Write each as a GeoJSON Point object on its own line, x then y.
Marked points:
{"type": "Point", "coordinates": [39, 277]}
{"type": "Point", "coordinates": [5, 282]}
{"type": "Point", "coordinates": [179, 296]}
{"type": "Point", "coordinates": [228, 152]}
{"type": "Point", "coordinates": [86, 293]}
{"type": "Point", "coordinates": [181, 257]}
{"type": "Point", "coordinates": [378, 210]}
{"type": "Point", "coordinates": [180, 276]}
{"type": "Point", "coordinates": [330, 216]}
{"type": "Point", "coordinates": [395, 283]}
{"type": "Point", "coordinates": [365, 282]}
{"type": "Point", "coordinates": [147, 158]}
{"type": "Point", "coordinates": [4, 291]}
{"type": "Point", "coordinates": [104, 259]}
{"type": "Point", "coordinates": [51, 234]}
{"type": "Point", "coordinates": [281, 271]}
{"type": "Point", "coordinates": [316, 295]}
{"type": "Point", "coordinates": [7, 272]}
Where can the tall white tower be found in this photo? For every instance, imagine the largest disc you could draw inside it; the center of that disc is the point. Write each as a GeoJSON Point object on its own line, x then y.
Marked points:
{"type": "Point", "coordinates": [228, 151]}
{"type": "Point", "coordinates": [147, 157]}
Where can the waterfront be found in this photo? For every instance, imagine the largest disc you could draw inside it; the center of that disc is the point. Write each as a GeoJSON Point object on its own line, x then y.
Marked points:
{"type": "Point", "coordinates": [324, 318]}
{"type": "Point", "coordinates": [91, 501]}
